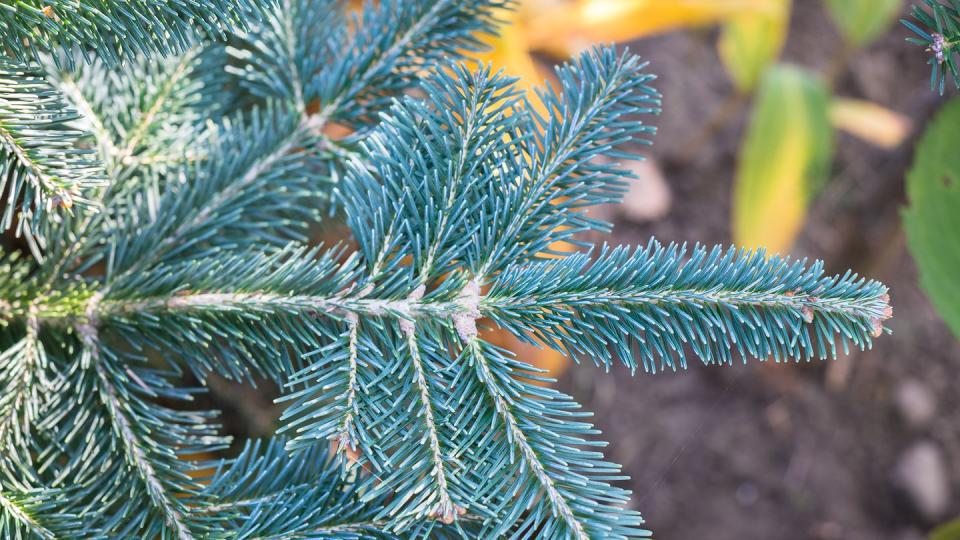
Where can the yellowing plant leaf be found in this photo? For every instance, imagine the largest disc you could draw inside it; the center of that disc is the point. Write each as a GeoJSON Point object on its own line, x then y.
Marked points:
{"type": "Point", "coordinates": [932, 221]}
{"type": "Point", "coordinates": [752, 41]}
{"type": "Point", "coordinates": [565, 28]}
{"type": "Point", "coordinates": [860, 21]}
{"type": "Point", "coordinates": [784, 158]}
{"type": "Point", "coordinates": [871, 122]}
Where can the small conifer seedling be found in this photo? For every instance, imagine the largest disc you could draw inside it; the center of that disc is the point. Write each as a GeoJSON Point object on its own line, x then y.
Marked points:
{"type": "Point", "coordinates": [165, 162]}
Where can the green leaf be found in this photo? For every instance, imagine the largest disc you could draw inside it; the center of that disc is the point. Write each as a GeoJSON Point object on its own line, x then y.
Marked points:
{"type": "Point", "coordinates": [784, 159]}
{"type": "Point", "coordinates": [933, 216]}
{"type": "Point", "coordinates": [948, 531]}
{"type": "Point", "coordinates": [862, 21]}
{"type": "Point", "coordinates": [750, 43]}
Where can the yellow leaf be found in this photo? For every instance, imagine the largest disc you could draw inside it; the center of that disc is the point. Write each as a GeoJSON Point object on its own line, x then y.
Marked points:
{"type": "Point", "coordinates": [784, 159]}
{"type": "Point", "coordinates": [565, 28]}
{"type": "Point", "coordinates": [752, 41]}
{"type": "Point", "coordinates": [875, 124]}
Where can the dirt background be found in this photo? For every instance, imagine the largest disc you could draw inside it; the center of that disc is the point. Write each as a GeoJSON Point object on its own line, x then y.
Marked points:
{"type": "Point", "coordinates": [867, 447]}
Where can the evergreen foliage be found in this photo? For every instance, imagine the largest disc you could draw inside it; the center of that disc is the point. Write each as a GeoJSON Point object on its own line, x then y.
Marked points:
{"type": "Point", "coordinates": [936, 25]}
{"type": "Point", "coordinates": [206, 169]}
{"type": "Point", "coordinates": [112, 29]}
{"type": "Point", "coordinates": [42, 164]}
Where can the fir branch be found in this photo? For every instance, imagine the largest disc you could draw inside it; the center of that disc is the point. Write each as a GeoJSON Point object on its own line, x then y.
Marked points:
{"type": "Point", "coordinates": [422, 201]}
{"type": "Point", "coordinates": [391, 46]}
{"type": "Point", "coordinates": [118, 29]}
{"type": "Point", "coordinates": [403, 406]}
{"type": "Point", "coordinates": [43, 166]}
{"type": "Point", "coordinates": [263, 302]}
{"type": "Point", "coordinates": [262, 491]}
{"type": "Point", "coordinates": [139, 482]}
{"type": "Point", "coordinates": [518, 438]}
{"type": "Point", "coordinates": [714, 302]}
{"type": "Point", "coordinates": [332, 380]}
{"type": "Point", "coordinates": [444, 509]}
{"type": "Point", "coordinates": [136, 456]}
{"type": "Point", "coordinates": [22, 369]}
{"type": "Point", "coordinates": [457, 133]}
{"type": "Point", "coordinates": [598, 110]}
{"type": "Point", "coordinates": [386, 52]}
{"type": "Point", "coordinates": [548, 472]}
{"type": "Point", "coordinates": [273, 148]}
{"type": "Point", "coordinates": [116, 102]}
{"type": "Point", "coordinates": [347, 437]}
{"type": "Point", "coordinates": [16, 519]}
{"type": "Point", "coordinates": [451, 196]}
{"type": "Point", "coordinates": [122, 426]}
{"type": "Point", "coordinates": [219, 305]}
{"type": "Point", "coordinates": [480, 126]}
{"type": "Point", "coordinates": [279, 57]}
{"type": "Point", "coordinates": [74, 93]}
{"type": "Point", "coordinates": [148, 111]}
{"type": "Point", "coordinates": [36, 513]}
{"type": "Point", "coordinates": [136, 136]}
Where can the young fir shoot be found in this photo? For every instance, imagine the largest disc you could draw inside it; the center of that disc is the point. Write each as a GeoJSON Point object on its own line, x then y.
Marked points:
{"type": "Point", "coordinates": [207, 167]}
{"type": "Point", "coordinates": [936, 25]}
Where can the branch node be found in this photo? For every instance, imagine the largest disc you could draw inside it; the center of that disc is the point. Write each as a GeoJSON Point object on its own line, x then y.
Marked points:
{"type": "Point", "coordinates": [406, 322]}
{"type": "Point", "coordinates": [466, 321]}
{"type": "Point", "coordinates": [448, 512]}
{"type": "Point", "coordinates": [88, 330]}
{"type": "Point", "coordinates": [349, 448]}
{"type": "Point", "coordinates": [93, 307]}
